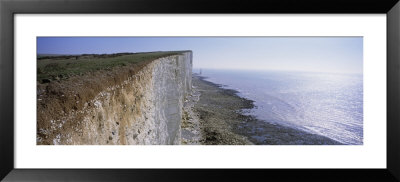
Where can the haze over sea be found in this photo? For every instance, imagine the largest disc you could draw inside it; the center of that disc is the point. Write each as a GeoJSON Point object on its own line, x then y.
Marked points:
{"type": "Point", "coordinates": [327, 104]}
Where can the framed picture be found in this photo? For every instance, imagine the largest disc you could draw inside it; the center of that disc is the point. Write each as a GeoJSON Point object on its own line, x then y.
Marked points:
{"type": "Point", "coordinates": [118, 90]}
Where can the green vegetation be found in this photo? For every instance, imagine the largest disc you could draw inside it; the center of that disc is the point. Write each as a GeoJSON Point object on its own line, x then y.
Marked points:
{"type": "Point", "coordinates": [51, 68]}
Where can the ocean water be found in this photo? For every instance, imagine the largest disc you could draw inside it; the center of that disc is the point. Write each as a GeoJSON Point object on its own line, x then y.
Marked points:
{"type": "Point", "coordinates": [330, 105]}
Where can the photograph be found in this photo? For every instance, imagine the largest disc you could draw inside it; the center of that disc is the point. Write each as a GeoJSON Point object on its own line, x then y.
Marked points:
{"type": "Point", "coordinates": [221, 90]}
{"type": "Point", "coordinates": [156, 90]}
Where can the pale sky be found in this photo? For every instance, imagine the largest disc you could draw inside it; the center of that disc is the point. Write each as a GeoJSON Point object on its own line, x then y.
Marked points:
{"type": "Point", "coordinates": [316, 54]}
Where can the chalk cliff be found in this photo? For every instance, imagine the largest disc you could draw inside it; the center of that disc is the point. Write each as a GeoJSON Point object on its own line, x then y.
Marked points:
{"type": "Point", "coordinates": [144, 107]}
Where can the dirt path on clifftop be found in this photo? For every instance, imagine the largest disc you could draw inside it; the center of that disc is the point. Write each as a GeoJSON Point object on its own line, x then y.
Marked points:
{"type": "Point", "coordinates": [223, 123]}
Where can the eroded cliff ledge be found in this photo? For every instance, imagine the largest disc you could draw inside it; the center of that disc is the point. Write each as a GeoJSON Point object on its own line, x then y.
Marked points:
{"type": "Point", "coordinates": [137, 103]}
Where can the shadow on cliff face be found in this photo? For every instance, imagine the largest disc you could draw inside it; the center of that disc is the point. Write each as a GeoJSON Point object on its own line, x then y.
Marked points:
{"type": "Point", "coordinates": [223, 123]}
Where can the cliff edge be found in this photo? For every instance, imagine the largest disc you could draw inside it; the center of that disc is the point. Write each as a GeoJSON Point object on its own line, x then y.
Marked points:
{"type": "Point", "coordinates": [140, 103]}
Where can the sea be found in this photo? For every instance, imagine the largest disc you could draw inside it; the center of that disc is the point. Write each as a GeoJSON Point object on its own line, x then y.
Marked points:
{"type": "Point", "coordinates": [327, 104]}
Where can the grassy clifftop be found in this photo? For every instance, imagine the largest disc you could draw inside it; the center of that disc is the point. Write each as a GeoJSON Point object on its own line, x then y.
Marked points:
{"type": "Point", "coordinates": [61, 67]}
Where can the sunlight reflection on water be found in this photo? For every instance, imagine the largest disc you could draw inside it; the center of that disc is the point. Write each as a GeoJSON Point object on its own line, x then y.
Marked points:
{"type": "Point", "coordinates": [327, 104]}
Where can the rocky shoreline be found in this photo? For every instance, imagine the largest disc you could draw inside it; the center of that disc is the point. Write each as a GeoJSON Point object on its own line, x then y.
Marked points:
{"type": "Point", "coordinates": [214, 117]}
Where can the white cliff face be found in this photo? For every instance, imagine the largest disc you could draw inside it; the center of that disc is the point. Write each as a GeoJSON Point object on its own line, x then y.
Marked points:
{"type": "Point", "coordinates": [145, 109]}
{"type": "Point", "coordinates": [171, 84]}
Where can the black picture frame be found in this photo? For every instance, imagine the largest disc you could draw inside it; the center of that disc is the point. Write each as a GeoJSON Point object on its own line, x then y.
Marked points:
{"type": "Point", "coordinates": [8, 8]}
